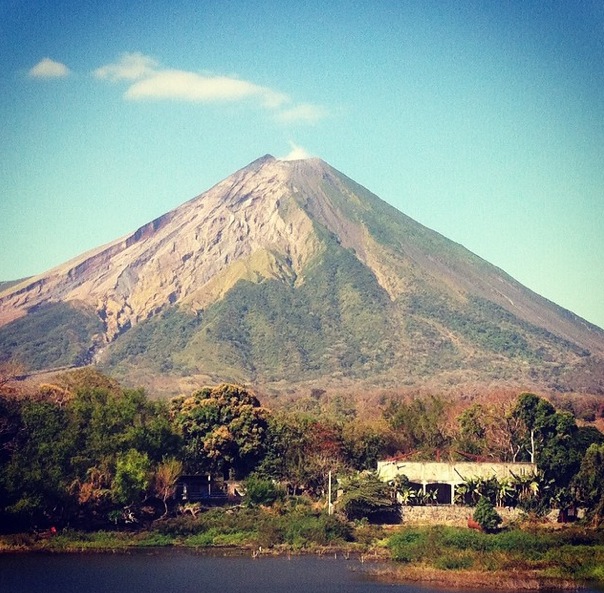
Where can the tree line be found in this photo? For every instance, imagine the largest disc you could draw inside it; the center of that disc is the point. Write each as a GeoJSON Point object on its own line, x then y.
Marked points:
{"type": "Point", "coordinates": [86, 452]}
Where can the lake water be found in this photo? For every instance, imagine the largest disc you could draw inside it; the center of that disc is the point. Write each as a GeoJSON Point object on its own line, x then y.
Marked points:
{"type": "Point", "coordinates": [166, 571]}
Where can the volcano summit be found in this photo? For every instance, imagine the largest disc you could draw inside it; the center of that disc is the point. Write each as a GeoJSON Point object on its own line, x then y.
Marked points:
{"type": "Point", "coordinates": [289, 274]}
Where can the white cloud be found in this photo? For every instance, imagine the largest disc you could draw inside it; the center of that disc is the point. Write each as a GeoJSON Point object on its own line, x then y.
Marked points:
{"type": "Point", "coordinates": [190, 86]}
{"type": "Point", "coordinates": [149, 81]}
{"type": "Point", "coordinates": [297, 153]}
{"type": "Point", "coordinates": [48, 68]}
{"type": "Point", "coordinates": [131, 66]}
{"type": "Point", "coordinates": [302, 113]}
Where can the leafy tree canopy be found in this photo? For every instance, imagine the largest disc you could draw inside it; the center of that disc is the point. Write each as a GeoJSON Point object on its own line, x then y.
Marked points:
{"type": "Point", "coordinates": [224, 428]}
{"type": "Point", "coordinates": [366, 496]}
{"type": "Point", "coordinates": [552, 438]}
{"type": "Point", "coordinates": [589, 481]}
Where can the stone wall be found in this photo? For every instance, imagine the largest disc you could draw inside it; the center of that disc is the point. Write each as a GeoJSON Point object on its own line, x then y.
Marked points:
{"type": "Point", "coordinates": [456, 516]}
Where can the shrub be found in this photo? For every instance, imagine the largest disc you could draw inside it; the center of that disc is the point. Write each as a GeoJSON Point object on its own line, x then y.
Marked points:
{"type": "Point", "coordinates": [578, 562]}
{"type": "Point", "coordinates": [486, 516]}
{"type": "Point", "coordinates": [408, 545]}
{"type": "Point", "coordinates": [528, 544]}
{"type": "Point", "coordinates": [201, 540]}
{"type": "Point", "coordinates": [270, 534]}
{"type": "Point", "coordinates": [149, 540]}
{"type": "Point", "coordinates": [366, 534]}
{"type": "Point", "coordinates": [466, 539]}
{"type": "Point", "coordinates": [260, 491]}
{"type": "Point", "coordinates": [180, 526]}
{"type": "Point", "coordinates": [365, 496]}
{"type": "Point", "coordinates": [578, 537]}
{"type": "Point", "coordinates": [237, 538]}
{"type": "Point", "coordinates": [315, 529]}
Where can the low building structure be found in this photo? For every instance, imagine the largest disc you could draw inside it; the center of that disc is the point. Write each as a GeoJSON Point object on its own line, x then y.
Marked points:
{"type": "Point", "coordinates": [443, 477]}
{"type": "Point", "coordinates": [207, 489]}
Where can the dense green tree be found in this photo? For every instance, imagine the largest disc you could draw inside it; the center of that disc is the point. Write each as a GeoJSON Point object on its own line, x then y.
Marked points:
{"type": "Point", "coordinates": [109, 422]}
{"type": "Point", "coordinates": [224, 429]}
{"type": "Point", "coordinates": [585, 436]}
{"type": "Point", "coordinates": [132, 477]}
{"type": "Point", "coordinates": [36, 476]}
{"type": "Point", "coordinates": [589, 482]}
{"type": "Point", "coordinates": [471, 437]}
{"type": "Point", "coordinates": [366, 496]}
{"type": "Point", "coordinates": [73, 457]}
{"type": "Point", "coordinates": [302, 450]}
{"type": "Point", "coordinates": [10, 420]}
{"type": "Point", "coordinates": [552, 439]}
{"type": "Point", "coordinates": [285, 444]}
{"type": "Point", "coordinates": [365, 444]}
{"type": "Point", "coordinates": [538, 416]}
{"type": "Point", "coordinates": [260, 491]}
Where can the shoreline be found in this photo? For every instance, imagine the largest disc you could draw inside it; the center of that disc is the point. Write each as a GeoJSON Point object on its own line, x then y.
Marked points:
{"type": "Point", "coordinates": [388, 571]}
{"type": "Point", "coordinates": [475, 580]}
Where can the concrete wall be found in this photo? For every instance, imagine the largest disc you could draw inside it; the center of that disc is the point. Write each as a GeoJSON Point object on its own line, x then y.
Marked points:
{"type": "Point", "coordinates": [445, 477]}
{"type": "Point", "coordinates": [433, 472]}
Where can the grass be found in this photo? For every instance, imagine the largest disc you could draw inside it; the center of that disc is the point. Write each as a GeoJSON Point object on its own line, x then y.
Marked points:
{"type": "Point", "coordinates": [540, 555]}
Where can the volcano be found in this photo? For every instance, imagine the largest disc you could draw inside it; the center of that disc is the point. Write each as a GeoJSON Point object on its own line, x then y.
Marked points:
{"type": "Point", "coordinates": [288, 274]}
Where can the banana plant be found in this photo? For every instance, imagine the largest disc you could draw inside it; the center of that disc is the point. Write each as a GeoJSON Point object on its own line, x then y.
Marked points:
{"type": "Point", "coordinates": [462, 492]}
{"type": "Point", "coordinates": [505, 492]}
{"type": "Point", "coordinates": [429, 497]}
{"type": "Point", "coordinates": [407, 496]}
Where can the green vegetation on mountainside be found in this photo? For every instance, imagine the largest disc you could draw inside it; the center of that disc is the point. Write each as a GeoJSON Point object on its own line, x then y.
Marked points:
{"type": "Point", "coordinates": [53, 335]}
{"type": "Point", "coordinates": [336, 320]}
{"type": "Point", "coordinates": [153, 342]}
{"type": "Point", "coordinates": [490, 327]}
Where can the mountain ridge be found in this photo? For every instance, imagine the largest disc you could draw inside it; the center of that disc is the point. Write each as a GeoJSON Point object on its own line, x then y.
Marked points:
{"type": "Point", "coordinates": [278, 232]}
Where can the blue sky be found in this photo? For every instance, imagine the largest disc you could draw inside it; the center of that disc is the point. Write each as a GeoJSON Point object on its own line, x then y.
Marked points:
{"type": "Point", "coordinates": [482, 120]}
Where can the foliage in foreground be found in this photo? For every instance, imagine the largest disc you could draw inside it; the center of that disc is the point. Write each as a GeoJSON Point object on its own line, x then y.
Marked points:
{"type": "Point", "coordinates": [85, 452]}
{"type": "Point", "coordinates": [295, 525]}
{"type": "Point", "coordinates": [573, 554]}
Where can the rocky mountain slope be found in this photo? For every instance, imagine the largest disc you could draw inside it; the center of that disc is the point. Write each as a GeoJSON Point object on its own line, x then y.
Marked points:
{"type": "Point", "coordinates": [289, 273]}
